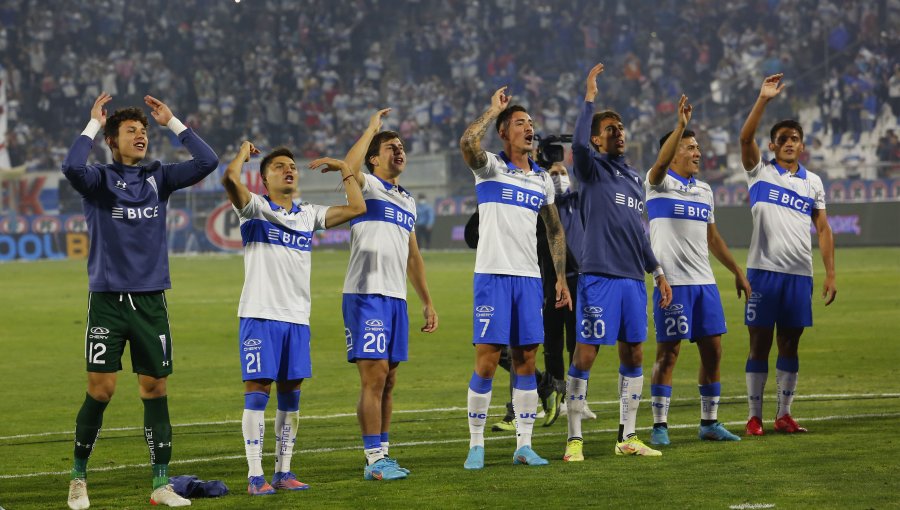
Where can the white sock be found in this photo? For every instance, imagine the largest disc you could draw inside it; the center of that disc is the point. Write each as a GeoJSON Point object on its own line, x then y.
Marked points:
{"type": "Point", "coordinates": [253, 426]}
{"type": "Point", "coordinates": [525, 404]}
{"type": "Point", "coordinates": [787, 385]}
{"type": "Point", "coordinates": [478, 404]}
{"type": "Point", "coordinates": [629, 399]}
{"type": "Point", "coordinates": [660, 406]}
{"type": "Point", "coordinates": [709, 407]}
{"type": "Point", "coordinates": [373, 455]}
{"type": "Point", "coordinates": [286, 423]}
{"type": "Point", "coordinates": [756, 387]}
{"type": "Point", "coordinates": [576, 393]}
{"type": "Point", "coordinates": [385, 447]}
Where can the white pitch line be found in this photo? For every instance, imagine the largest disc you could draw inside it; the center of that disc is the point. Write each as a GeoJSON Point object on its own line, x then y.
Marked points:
{"type": "Point", "coordinates": [200, 460]}
{"type": "Point", "coordinates": [438, 410]}
{"type": "Point", "coordinates": [752, 506]}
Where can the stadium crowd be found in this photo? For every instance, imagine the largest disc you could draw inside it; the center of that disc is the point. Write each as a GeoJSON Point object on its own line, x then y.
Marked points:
{"type": "Point", "coordinates": [309, 72]}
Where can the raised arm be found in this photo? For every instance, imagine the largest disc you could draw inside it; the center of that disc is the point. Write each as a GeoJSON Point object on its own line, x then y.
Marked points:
{"type": "Point", "coordinates": [74, 167]}
{"type": "Point", "coordinates": [771, 87]}
{"type": "Point", "coordinates": [357, 154]}
{"type": "Point", "coordinates": [556, 237]}
{"type": "Point", "coordinates": [356, 206]}
{"type": "Point", "coordinates": [668, 150]}
{"type": "Point", "coordinates": [415, 270]}
{"type": "Point", "coordinates": [581, 137]}
{"type": "Point", "coordinates": [237, 192]}
{"type": "Point", "coordinates": [826, 246]}
{"type": "Point", "coordinates": [470, 143]}
{"type": "Point", "coordinates": [720, 250]}
{"type": "Point", "coordinates": [187, 173]}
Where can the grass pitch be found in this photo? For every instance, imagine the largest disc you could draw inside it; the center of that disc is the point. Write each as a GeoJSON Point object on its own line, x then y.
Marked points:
{"type": "Point", "coordinates": [847, 397]}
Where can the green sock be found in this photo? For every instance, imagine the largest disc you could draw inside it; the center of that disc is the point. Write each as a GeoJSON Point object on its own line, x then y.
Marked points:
{"type": "Point", "coordinates": [158, 433]}
{"type": "Point", "coordinates": [160, 475]}
{"type": "Point", "coordinates": [87, 430]}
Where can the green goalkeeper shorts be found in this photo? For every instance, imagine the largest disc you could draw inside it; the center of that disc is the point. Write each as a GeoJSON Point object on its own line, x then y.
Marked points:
{"type": "Point", "coordinates": [141, 319]}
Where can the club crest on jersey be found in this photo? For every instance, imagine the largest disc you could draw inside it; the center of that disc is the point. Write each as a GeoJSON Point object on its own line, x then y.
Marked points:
{"type": "Point", "coordinates": [630, 202]}
{"type": "Point", "coordinates": [120, 184]}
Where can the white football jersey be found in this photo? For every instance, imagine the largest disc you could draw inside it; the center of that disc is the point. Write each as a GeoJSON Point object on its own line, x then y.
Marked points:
{"type": "Point", "coordinates": [782, 206]}
{"type": "Point", "coordinates": [379, 240]}
{"type": "Point", "coordinates": [277, 259]}
{"type": "Point", "coordinates": [680, 210]}
{"type": "Point", "coordinates": [509, 200]}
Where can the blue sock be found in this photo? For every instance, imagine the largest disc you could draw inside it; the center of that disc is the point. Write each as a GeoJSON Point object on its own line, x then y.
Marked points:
{"type": "Point", "coordinates": [479, 384]}
{"type": "Point", "coordinates": [255, 400]}
{"type": "Point", "coordinates": [580, 374]}
{"type": "Point", "coordinates": [289, 402]}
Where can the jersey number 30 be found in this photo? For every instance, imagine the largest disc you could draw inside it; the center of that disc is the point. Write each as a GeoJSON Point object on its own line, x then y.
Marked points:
{"type": "Point", "coordinates": [593, 329]}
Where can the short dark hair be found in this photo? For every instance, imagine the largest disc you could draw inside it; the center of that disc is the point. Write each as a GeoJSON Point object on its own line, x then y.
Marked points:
{"type": "Point", "coordinates": [600, 117]}
{"type": "Point", "coordinates": [375, 146]}
{"type": "Point", "coordinates": [786, 123]}
{"type": "Point", "coordinates": [505, 115]}
{"type": "Point", "coordinates": [687, 134]}
{"type": "Point", "coordinates": [278, 151]}
{"type": "Point", "coordinates": [111, 129]}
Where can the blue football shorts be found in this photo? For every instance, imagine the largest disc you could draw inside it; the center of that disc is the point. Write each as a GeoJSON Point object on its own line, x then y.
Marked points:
{"type": "Point", "coordinates": [274, 350]}
{"type": "Point", "coordinates": [610, 309]}
{"type": "Point", "coordinates": [779, 298]}
{"type": "Point", "coordinates": [695, 312]}
{"type": "Point", "coordinates": [376, 327]}
{"type": "Point", "coordinates": [508, 310]}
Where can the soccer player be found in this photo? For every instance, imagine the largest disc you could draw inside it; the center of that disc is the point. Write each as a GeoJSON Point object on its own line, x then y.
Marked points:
{"type": "Point", "coordinates": [512, 191]}
{"type": "Point", "coordinates": [612, 297]}
{"type": "Point", "coordinates": [274, 308]}
{"type": "Point", "coordinates": [383, 252]}
{"type": "Point", "coordinates": [682, 233]}
{"type": "Point", "coordinates": [128, 272]}
{"type": "Point", "coordinates": [785, 199]}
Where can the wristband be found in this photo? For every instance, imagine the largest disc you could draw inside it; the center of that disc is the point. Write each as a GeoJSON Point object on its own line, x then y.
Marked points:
{"type": "Point", "coordinates": [348, 177]}
{"type": "Point", "coordinates": [92, 128]}
{"type": "Point", "coordinates": [175, 125]}
{"type": "Point", "coordinates": [658, 272]}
